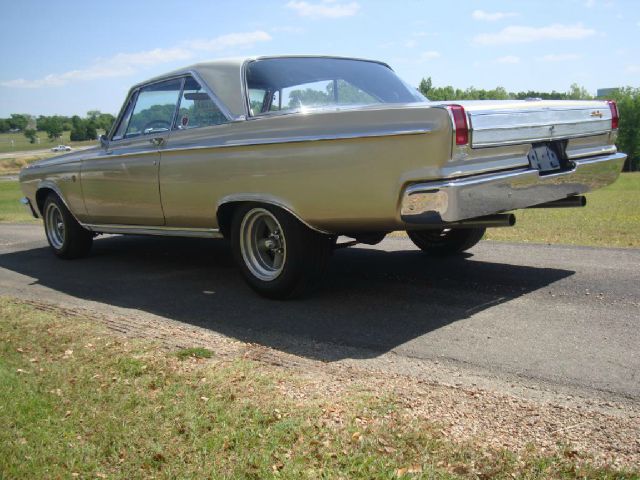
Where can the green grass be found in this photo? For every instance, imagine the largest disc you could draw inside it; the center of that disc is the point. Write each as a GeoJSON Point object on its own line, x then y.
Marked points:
{"type": "Point", "coordinates": [610, 219]}
{"type": "Point", "coordinates": [21, 143]}
{"type": "Point", "coordinates": [76, 401]}
{"type": "Point", "coordinates": [11, 210]}
{"type": "Point", "coordinates": [194, 352]}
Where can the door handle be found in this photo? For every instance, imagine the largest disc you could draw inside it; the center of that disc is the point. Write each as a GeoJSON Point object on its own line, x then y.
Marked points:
{"type": "Point", "coordinates": [157, 141]}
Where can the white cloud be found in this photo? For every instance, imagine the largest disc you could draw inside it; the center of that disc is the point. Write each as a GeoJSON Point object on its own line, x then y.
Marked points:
{"type": "Point", "coordinates": [411, 44]}
{"type": "Point", "coordinates": [524, 34]}
{"type": "Point", "coordinates": [508, 59]}
{"type": "Point", "coordinates": [429, 55]}
{"type": "Point", "coordinates": [590, 3]}
{"type": "Point", "coordinates": [483, 16]}
{"type": "Point", "coordinates": [559, 57]}
{"type": "Point", "coordinates": [122, 64]}
{"type": "Point", "coordinates": [324, 9]}
{"type": "Point", "coordinates": [633, 68]}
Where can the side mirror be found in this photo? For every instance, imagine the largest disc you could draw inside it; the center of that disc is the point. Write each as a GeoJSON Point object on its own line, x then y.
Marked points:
{"type": "Point", "coordinates": [104, 143]}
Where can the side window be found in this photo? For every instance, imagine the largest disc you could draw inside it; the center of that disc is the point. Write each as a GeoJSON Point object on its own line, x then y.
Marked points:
{"type": "Point", "coordinates": [154, 108]}
{"type": "Point", "coordinates": [256, 100]}
{"type": "Point", "coordinates": [122, 126]}
{"type": "Point", "coordinates": [196, 108]}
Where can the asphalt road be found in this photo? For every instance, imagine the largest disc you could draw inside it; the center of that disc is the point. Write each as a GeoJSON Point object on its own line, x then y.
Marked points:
{"type": "Point", "coordinates": [565, 315]}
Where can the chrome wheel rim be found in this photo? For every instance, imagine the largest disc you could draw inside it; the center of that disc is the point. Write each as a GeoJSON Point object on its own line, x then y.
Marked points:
{"type": "Point", "coordinates": [262, 244]}
{"type": "Point", "coordinates": [54, 225]}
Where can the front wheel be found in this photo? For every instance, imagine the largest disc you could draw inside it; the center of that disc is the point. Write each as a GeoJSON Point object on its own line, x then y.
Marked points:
{"type": "Point", "coordinates": [279, 256]}
{"type": "Point", "coordinates": [447, 241]}
{"type": "Point", "coordinates": [66, 237]}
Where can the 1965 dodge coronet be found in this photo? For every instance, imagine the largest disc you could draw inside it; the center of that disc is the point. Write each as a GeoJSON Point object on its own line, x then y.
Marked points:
{"type": "Point", "coordinates": [282, 155]}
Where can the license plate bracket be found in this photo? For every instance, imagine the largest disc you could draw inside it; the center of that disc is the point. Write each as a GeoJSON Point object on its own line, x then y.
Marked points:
{"type": "Point", "coordinates": [544, 158]}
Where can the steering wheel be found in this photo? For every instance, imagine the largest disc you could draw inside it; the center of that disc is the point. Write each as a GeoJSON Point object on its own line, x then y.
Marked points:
{"type": "Point", "coordinates": [156, 125]}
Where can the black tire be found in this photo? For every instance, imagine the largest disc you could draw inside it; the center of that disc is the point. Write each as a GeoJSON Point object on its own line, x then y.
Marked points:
{"type": "Point", "coordinates": [446, 242]}
{"type": "Point", "coordinates": [69, 241]}
{"type": "Point", "coordinates": [303, 257]}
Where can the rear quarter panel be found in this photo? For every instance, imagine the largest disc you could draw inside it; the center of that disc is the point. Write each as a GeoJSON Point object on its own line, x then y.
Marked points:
{"type": "Point", "coordinates": [305, 163]}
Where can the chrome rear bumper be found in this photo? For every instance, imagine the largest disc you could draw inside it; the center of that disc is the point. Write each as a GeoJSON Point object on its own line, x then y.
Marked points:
{"type": "Point", "coordinates": [480, 195]}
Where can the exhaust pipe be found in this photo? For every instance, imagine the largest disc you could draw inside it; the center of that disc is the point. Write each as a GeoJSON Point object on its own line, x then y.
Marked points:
{"type": "Point", "coordinates": [490, 221]}
{"type": "Point", "coordinates": [569, 202]}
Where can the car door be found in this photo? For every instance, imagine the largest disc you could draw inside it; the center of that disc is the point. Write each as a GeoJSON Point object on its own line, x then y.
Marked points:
{"type": "Point", "coordinates": [120, 185]}
{"type": "Point", "coordinates": [189, 177]}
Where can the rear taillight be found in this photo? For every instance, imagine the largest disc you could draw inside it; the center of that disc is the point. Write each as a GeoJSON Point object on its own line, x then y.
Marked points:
{"type": "Point", "coordinates": [615, 117]}
{"type": "Point", "coordinates": [460, 124]}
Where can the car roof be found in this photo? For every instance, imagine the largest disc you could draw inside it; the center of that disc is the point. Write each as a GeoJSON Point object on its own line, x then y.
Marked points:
{"type": "Point", "coordinates": [224, 77]}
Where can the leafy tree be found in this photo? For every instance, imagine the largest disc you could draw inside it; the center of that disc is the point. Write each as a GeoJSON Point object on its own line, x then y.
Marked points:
{"type": "Point", "coordinates": [30, 133]}
{"type": "Point", "coordinates": [425, 86]}
{"type": "Point", "coordinates": [4, 125]}
{"type": "Point", "coordinates": [628, 100]}
{"type": "Point", "coordinates": [104, 121]}
{"type": "Point", "coordinates": [576, 92]}
{"type": "Point", "coordinates": [53, 126]}
{"type": "Point", "coordinates": [18, 120]}
{"type": "Point", "coordinates": [553, 95]}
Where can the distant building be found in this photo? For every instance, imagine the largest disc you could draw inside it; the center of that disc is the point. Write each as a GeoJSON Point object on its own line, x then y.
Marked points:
{"type": "Point", "coordinates": [606, 92]}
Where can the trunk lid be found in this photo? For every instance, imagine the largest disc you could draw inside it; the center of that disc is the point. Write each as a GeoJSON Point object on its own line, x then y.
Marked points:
{"type": "Point", "coordinates": [509, 122]}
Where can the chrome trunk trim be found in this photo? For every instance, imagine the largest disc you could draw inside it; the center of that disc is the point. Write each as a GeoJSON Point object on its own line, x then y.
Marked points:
{"type": "Point", "coordinates": [492, 128]}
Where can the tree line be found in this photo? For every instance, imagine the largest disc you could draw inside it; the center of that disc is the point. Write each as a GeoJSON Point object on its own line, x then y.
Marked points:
{"type": "Point", "coordinates": [627, 98]}
{"type": "Point", "coordinates": [81, 128]}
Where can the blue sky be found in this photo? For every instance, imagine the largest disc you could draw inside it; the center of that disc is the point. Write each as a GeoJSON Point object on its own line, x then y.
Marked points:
{"type": "Point", "coordinates": [73, 56]}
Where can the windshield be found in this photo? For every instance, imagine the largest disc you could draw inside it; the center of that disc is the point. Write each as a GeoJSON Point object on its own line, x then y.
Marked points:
{"type": "Point", "coordinates": [291, 84]}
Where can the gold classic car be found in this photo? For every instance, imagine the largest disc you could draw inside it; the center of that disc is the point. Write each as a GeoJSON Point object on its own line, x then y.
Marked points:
{"type": "Point", "coordinates": [283, 155]}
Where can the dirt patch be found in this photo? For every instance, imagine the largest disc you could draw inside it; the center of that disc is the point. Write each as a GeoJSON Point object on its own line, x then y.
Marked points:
{"type": "Point", "coordinates": [607, 432]}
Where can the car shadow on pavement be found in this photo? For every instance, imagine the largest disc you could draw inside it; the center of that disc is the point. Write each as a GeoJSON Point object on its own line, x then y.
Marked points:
{"type": "Point", "coordinates": [373, 300]}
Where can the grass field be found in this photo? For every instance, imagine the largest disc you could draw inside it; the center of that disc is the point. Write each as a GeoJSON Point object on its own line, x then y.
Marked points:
{"type": "Point", "coordinates": [78, 402]}
{"type": "Point", "coordinates": [13, 165]}
{"type": "Point", "coordinates": [11, 210]}
{"type": "Point", "coordinates": [21, 143]}
{"type": "Point", "coordinates": [610, 219]}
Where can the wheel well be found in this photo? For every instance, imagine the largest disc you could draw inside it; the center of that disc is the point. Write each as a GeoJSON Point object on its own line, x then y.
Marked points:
{"type": "Point", "coordinates": [41, 196]}
{"type": "Point", "coordinates": [225, 217]}
{"type": "Point", "coordinates": [226, 210]}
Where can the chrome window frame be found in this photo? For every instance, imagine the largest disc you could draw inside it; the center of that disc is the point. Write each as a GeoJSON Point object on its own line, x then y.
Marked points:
{"type": "Point", "coordinates": [207, 91]}
{"type": "Point", "coordinates": [175, 109]}
{"type": "Point", "coordinates": [181, 75]}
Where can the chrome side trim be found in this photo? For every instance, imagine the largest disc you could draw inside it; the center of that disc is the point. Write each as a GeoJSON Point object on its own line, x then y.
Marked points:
{"type": "Point", "coordinates": [301, 139]}
{"type": "Point", "coordinates": [152, 230]}
{"type": "Point", "coordinates": [268, 199]}
{"type": "Point", "coordinates": [459, 199]}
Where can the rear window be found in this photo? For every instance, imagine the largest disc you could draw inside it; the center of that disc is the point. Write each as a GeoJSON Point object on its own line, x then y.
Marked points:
{"type": "Point", "coordinates": [298, 84]}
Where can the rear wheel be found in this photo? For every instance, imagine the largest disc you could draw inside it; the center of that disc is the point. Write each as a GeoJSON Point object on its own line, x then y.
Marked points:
{"type": "Point", "coordinates": [66, 237]}
{"type": "Point", "coordinates": [279, 256]}
{"type": "Point", "coordinates": [445, 242]}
